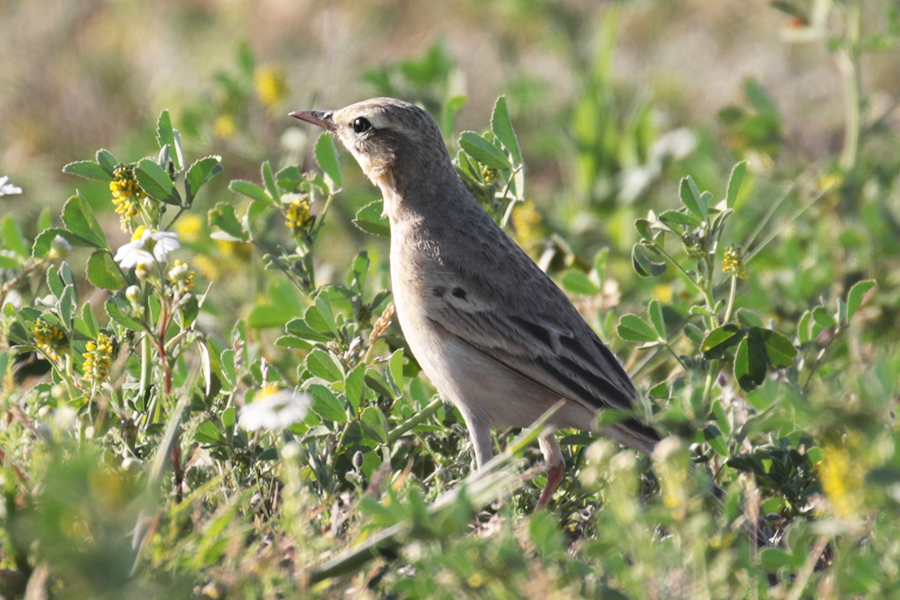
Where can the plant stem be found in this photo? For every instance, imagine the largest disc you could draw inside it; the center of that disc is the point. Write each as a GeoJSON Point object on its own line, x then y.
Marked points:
{"type": "Point", "coordinates": [848, 63]}
{"type": "Point", "coordinates": [730, 299]}
{"type": "Point", "coordinates": [420, 418]}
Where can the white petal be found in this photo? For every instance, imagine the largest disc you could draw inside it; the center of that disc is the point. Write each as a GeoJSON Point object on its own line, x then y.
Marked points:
{"type": "Point", "coordinates": [134, 257]}
{"type": "Point", "coordinates": [274, 411]}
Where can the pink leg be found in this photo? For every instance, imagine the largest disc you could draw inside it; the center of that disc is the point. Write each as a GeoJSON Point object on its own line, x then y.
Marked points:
{"type": "Point", "coordinates": [556, 467]}
{"type": "Point", "coordinates": [554, 478]}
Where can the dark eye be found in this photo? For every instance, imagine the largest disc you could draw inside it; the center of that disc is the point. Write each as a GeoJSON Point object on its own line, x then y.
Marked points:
{"type": "Point", "coordinates": [361, 124]}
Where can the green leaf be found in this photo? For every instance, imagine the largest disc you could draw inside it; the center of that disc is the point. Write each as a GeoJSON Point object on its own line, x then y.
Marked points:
{"type": "Point", "coordinates": [374, 423]}
{"type": "Point", "coordinates": [301, 328]}
{"type": "Point", "coordinates": [79, 218]}
{"type": "Point", "coordinates": [643, 227]}
{"type": "Point", "coordinates": [448, 115]}
{"type": "Point", "coordinates": [268, 178]}
{"type": "Point", "coordinates": [677, 217]}
{"type": "Point", "coordinates": [289, 178]}
{"type": "Point", "coordinates": [776, 559]}
{"type": "Point", "coordinates": [200, 172]}
{"type": "Point", "coordinates": [719, 340]}
{"type": "Point", "coordinates": [546, 535]}
{"type": "Point", "coordinates": [326, 404]}
{"type": "Point", "coordinates": [44, 241]}
{"type": "Point", "coordinates": [328, 160]}
{"type": "Point", "coordinates": [375, 381]}
{"type": "Point", "coordinates": [759, 98]}
{"type": "Point", "coordinates": [654, 311]}
{"type": "Point", "coordinates": [55, 282]}
{"type": "Point", "coordinates": [642, 264]}
{"type": "Point", "coordinates": [371, 219]}
{"type": "Point", "coordinates": [577, 282]}
{"type": "Point", "coordinates": [116, 309]}
{"type": "Point", "coordinates": [12, 237]}
{"type": "Point", "coordinates": [222, 217]}
{"type": "Point", "coordinates": [856, 295]}
{"type": "Point", "coordinates": [690, 197]}
{"type": "Point", "coordinates": [634, 329]}
{"type": "Point", "coordinates": [325, 365]}
{"type": "Point", "coordinates": [92, 327]}
{"type": "Point", "coordinates": [228, 369]}
{"type": "Point", "coordinates": [483, 151]}
{"type": "Point", "coordinates": [694, 333]}
{"type": "Point", "coordinates": [780, 352]}
{"type": "Point", "coordinates": [107, 162]}
{"type": "Point", "coordinates": [734, 183]}
{"type": "Point", "coordinates": [292, 341]}
{"type": "Point", "coordinates": [67, 306]}
{"type": "Point", "coordinates": [103, 272]}
{"type": "Point", "coordinates": [87, 169]}
{"type": "Point", "coordinates": [501, 125]}
{"type": "Point", "coordinates": [354, 385]}
{"type": "Point", "coordinates": [208, 433]}
{"type": "Point", "coordinates": [395, 369]}
{"type": "Point", "coordinates": [750, 363]}
{"type": "Point", "coordinates": [156, 182]}
{"type": "Point", "coordinates": [713, 436]}
{"type": "Point", "coordinates": [748, 318]}
{"type": "Point", "coordinates": [323, 307]}
{"type": "Point", "coordinates": [251, 190]}
{"type": "Point", "coordinates": [823, 317]}
{"type": "Point", "coordinates": [165, 135]}
{"type": "Point", "coordinates": [803, 330]}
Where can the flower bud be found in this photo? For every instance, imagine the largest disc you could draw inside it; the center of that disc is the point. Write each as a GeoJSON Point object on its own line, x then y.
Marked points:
{"type": "Point", "coordinates": [59, 248]}
{"type": "Point", "coordinates": [134, 295]}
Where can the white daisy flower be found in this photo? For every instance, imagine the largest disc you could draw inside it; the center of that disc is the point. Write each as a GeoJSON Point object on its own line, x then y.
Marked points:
{"type": "Point", "coordinates": [274, 410]}
{"type": "Point", "coordinates": [146, 247]}
{"type": "Point", "coordinates": [8, 189]}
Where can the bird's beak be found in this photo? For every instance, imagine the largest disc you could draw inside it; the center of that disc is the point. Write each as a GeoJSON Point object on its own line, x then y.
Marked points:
{"type": "Point", "coordinates": [322, 118]}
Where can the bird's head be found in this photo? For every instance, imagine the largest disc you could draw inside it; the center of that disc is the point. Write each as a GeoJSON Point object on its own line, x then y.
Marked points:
{"type": "Point", "coordinates": [388, 138]}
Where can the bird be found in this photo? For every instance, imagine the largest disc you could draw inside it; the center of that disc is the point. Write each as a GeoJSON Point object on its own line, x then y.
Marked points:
{"type": "Point", "coordinates": [493, 333]}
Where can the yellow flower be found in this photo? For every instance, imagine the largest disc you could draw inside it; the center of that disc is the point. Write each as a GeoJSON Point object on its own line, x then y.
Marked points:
{"type": "Point", "coordinates": [842, 482]}
{"type": "Point", "coordinates": [224, 127]}
{"type": "Point", "coordinates": [526, 222]}
{"type": "Point", "coordinates": [230, 249]}
{"type": "Point", "coordinates": [207, 267]}
{"type": "Point", "coordinates": [733, 262]}
{"type": "Point", "coordinates": [663, 293]}
{"type": "Point", "coordinates": [50, 339]}
{"type": "Point", "coordinates": [127, 195]}
{"type": "Point", "coordinates": [270, 86]}
{"type": "Point", "coordinates": [189, 227]}
{"type": "Point", "coordinates": [98, 359]}
{"type": "Point", "coordinates": [181, 277]}
{"type": "Point", "coordinates": [297, 214]}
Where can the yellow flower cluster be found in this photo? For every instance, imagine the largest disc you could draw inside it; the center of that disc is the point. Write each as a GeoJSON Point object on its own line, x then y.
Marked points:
{"type": "Point", "coordinates": [50, 339]}
{"type": "Point", "coordinates": [526, 221]}
{"type": "Point", "coordinates": [271, 86]}
{"type": "Point", "coordinates": [127, 195]}
{"type": "Point", "coordinates": [733, 262]}
{"type": "Point", "coordinates": [97, 359]}
{"type": "Point", "coordinates": [842, 482]}
{"type": "Point", "coordinates": [297, 215]}
{"type": "Point", "coordinates": [224, 127]}
{"type": "Point", "coordinates": [181, 277]}
{"type": "Point", "coordinates": [190, 227]}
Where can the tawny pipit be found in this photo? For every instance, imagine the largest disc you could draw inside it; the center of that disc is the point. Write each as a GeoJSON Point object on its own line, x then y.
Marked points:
{"type": "Point", "coordinates": [491, 330]}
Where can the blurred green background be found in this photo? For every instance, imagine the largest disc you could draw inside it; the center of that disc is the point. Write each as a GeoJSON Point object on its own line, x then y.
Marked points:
{"type": "Point", "coordinates": [614, 103]}
{"type": "Point", "coordinates": [76, 76]}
